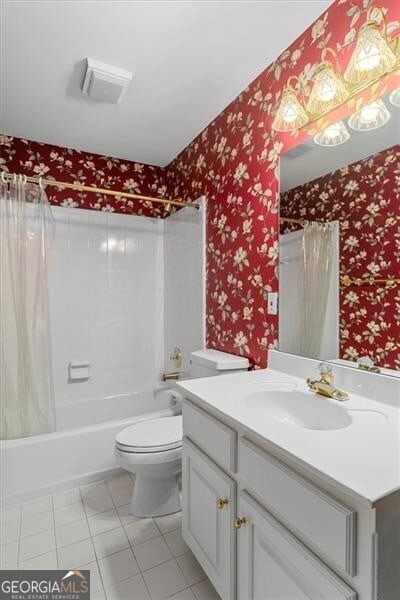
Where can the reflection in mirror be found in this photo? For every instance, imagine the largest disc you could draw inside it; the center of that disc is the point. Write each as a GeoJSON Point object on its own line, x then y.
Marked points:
{"type": "Point", "coordinates": [339, 263]}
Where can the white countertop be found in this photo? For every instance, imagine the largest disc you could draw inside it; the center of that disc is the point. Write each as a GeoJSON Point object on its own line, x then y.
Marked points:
{"type": "Point", "coordinates": [363, 457]}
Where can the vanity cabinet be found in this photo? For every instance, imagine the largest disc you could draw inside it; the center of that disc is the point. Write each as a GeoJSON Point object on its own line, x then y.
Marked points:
{"type": "Point", "coordinates": [259, 529]}
{"type": "Point", "coordinates": [274, 565]}
{"type": "Point", "coordinates": [209, 498]}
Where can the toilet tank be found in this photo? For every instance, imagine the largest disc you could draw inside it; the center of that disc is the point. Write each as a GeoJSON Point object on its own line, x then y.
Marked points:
{"type": "Point", "coordinates": [208, 363]}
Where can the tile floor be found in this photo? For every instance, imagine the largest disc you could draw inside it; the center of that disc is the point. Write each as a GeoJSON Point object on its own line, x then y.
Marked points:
{"type": "Point", "coordinates": [91, 528]}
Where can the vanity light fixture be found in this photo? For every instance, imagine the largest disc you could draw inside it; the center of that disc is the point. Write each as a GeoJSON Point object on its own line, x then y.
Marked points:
{"type": "Point", "coordinates": [371, 116]}
{"type": "Point", "coordinates": [394, 97]}
{"type": "Point", "coordinates": [328, 90]}
{"type": "Point", "coordinates": [374, 56]}
{"type": "Point", "coordinates": [334, 135]}
{"type": "Point", "coordinates": [291, 115]}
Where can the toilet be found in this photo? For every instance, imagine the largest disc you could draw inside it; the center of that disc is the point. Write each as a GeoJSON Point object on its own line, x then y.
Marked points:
{"type": "Point", "coordinates": [152, 449]}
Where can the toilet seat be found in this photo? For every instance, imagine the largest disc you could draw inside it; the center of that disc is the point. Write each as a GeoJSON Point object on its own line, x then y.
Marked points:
{"type": "Point", "coordinates": [154, 435]}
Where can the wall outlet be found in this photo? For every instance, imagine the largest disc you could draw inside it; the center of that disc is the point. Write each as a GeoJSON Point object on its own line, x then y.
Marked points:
{"type": "Point", "coordinates": [272, 303]}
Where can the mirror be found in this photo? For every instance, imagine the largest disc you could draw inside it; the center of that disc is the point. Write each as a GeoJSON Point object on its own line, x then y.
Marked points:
{"type": "Point", "coordinates": [339, 245]}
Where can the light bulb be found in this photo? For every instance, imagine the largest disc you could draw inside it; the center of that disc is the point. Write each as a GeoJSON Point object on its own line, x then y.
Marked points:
{"type": "Point", "coordinates": [334, 135]}
{"type": "Point", "coordinates": [372, 56]}
{"type": "Point", "coordinates": [370, 116]}
{"type": "Point", "coordinates": [328, 90]}
{"type": "Point", "coordinates": [395, 97]}
{"type": "Point", "coordinates": [290, 115]}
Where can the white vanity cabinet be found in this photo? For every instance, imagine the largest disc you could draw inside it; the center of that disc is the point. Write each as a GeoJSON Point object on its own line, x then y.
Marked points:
{"type": "Point", "coordinates": [262, 530]}
{"type": "Point", "coordinates": [209, 498]}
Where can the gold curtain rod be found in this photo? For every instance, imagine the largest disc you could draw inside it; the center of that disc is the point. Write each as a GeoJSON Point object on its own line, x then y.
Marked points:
{"type": "Point", "coordinates": [346, 281]}
{"type": "Point", "coordinates": [302, 221]}
{"type": "Point", "coordinates": [96, 190]}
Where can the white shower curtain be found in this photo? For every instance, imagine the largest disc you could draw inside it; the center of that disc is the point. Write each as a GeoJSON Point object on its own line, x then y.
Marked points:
{"type": "Point", "coordinates": [317, 245]}
{"type": "Point", "coordinates": [26, 381]}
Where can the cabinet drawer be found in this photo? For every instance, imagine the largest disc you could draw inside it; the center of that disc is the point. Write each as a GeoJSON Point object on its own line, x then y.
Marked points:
{"type": "Point", "coordinates": [325, 524]}
{"type": "Point", "coordinates": [215, 438]}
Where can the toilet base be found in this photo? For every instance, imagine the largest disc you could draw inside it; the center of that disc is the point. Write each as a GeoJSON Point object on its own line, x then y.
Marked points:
{"type": "Point", "coordinates": [155, 497]}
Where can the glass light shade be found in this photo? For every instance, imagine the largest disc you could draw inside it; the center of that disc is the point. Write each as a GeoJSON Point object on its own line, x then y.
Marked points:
{"type": "Point", "coordinates": [369, 117]}
{"type": "Point", "coordinates": [328, 90]}
{"type": "Point", "coordinates": [290, 115]}
{"type": "Point", "coordinates": [334, 135]}
{"type": "Point", "coordinates": [372, 56]}
{"type": "Point", "coordinates": [395, 97]}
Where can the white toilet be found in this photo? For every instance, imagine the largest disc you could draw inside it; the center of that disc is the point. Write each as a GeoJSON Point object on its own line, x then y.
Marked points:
{"type": "Point", "coordinates": [152, 449]}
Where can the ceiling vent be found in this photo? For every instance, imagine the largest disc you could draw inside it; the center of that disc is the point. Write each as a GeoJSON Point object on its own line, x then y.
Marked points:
{"type": "Point", "coordinates": [104, 83]}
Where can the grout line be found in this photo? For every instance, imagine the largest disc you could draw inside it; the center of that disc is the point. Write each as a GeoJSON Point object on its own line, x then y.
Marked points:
{"type": "Point", "coordinates": [54, 523]}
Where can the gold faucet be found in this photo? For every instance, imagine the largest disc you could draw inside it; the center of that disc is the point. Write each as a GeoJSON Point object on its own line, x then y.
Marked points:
{"type": "Point", "coordinates": [367, 364]}
{"type": "Point", "coordinates": [173, 376]}
{"type": "Point", "coordinates": [325, 386]}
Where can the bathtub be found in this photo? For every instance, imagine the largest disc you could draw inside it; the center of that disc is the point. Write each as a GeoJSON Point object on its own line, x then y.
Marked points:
{"type": "Point", "coordinates": [81, 450]}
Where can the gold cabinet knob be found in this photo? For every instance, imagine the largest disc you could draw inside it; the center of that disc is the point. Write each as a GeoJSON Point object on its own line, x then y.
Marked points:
{"type": "Point", "coordinates": [221, 502]}
{"type": "Point", "coordinates": [239, 522]}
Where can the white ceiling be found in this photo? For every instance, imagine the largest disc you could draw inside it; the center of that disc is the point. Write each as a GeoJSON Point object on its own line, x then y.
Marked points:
{"type": "Point", "coordinates": [189, 60]}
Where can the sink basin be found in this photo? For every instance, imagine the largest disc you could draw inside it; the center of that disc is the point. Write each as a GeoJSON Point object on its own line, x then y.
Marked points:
{"type": "Point", "coordinates": [298, 408]}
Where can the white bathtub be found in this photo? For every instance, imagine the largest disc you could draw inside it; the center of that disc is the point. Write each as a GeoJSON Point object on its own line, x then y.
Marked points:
{"type": "Point", "coordinates": [80, 451]}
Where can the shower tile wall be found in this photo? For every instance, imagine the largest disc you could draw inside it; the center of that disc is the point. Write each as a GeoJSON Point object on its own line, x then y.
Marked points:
{"type": "Point", "coordinates": [106, 302]}
{"type": "Point", "coordinates": [184, 276]}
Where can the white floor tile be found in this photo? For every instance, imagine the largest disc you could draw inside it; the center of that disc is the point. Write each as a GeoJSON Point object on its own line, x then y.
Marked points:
{"type": "Point", "coordinates": [141, 531]}
{"type": "Point", "coordinates": [102, 522]}
{"type": "Point", "coordinates": [8, 554]}
{"type": "Point", "coordinates": [183, 595]}
{"type": "Point", "coordinates": [130, 589]}
{"type": "Point", "coordinates": [97, 503]}
{"type": "Point", "coordinates": [74, 555]}
{"type": "Point", "coordinates": [69, 513]}
{"type": "Point", "coordinates": [98, 595]}
{"type": "Point", "coordinates": [10, 512]}
{"type": "Point", "coordinates": [119, 481]}
{"type": "Point", "coordinates": [152, 553]}
{"type": "Point", "coordinates": [72, 532]}
{"type": "Point", "coordinates": [165, 580]}
{"type": "Point", "coordinates": [36, 523]}
{"type": "Point", "coordinates": [176, 542]}
{"type": "Point", "coordinates": [37, 506]}
{"type": "Point", "coordinates": [124, 513]}
{"type": "Point", "coordinates": [110, 542]}
{"type": "Point", "coordinates": [66, 497]}
{"type": "Point", "coordinates": [169, 522]}
{"type": "Point", "coordinates": [10, 530]}
{"type": "Point", "coordinates": [205, 591]}
{"type": "Point", "coordinates": [122, 495]}
{"type": "Point", "coordinates": [95, 578]}
{"type": "Point", "coordinates": [34, 545]}
{"type": "Point", "coordinates": [44, 561]}
{"type": "Point", "coordinates": [117, 567]}
{"type": "Point", "coordinates": [191, 569]}
{"type": "Point", "coordinates": [95, 486]}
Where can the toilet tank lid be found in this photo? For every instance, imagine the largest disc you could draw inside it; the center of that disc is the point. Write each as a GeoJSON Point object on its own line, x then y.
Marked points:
{"type": "Point", "coordinates": [221, 361]}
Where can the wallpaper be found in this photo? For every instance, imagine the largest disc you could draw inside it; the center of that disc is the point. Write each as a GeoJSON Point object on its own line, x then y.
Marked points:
{"type": "Point", "coordinates": [234, 162]}
{"type": "Point", "coordinates": [365, 198]}
{"type": "Point", "coordinates": [73, 166]}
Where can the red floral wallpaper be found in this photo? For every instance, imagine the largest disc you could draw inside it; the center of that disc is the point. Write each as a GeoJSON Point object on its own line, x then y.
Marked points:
{"type": "Point", "coordinates": [72, 166]}
{"type": "Point", "coordinates": [365, 198]}
{"type": "Point", "coordinates": [234, 163]}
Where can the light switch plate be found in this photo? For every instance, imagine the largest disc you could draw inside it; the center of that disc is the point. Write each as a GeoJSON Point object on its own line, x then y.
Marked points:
{"type": "Point", "coordinates": [272, 303]}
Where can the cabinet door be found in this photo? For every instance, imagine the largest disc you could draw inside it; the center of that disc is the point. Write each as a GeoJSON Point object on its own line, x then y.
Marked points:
{"type": "Point", "coordinates": [209, 502]}
{"type": "Point", "coordinates": [274, 565]}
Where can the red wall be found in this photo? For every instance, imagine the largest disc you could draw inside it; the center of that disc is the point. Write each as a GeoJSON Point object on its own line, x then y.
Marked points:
{"type": "Point", "coordinates": [365, 198]}
{"type": "Point", "coordinates": [72, 166]}
{"type": "Point", "coordinates": [234, 162]}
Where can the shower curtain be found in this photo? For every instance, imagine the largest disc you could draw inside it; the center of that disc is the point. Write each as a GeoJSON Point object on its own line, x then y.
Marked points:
{"type": "Point", "coordinates": [317, 244]}
{"type": "Point", "coordinates": [27, 404]}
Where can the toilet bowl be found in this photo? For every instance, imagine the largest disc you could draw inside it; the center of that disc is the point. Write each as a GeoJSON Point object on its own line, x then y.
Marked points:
{"type": "Point", "coordinates": [152, 451]}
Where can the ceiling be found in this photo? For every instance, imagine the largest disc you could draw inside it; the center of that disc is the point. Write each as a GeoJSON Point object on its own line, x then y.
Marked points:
{"type": "Point", "coordinates": [189, 61]}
